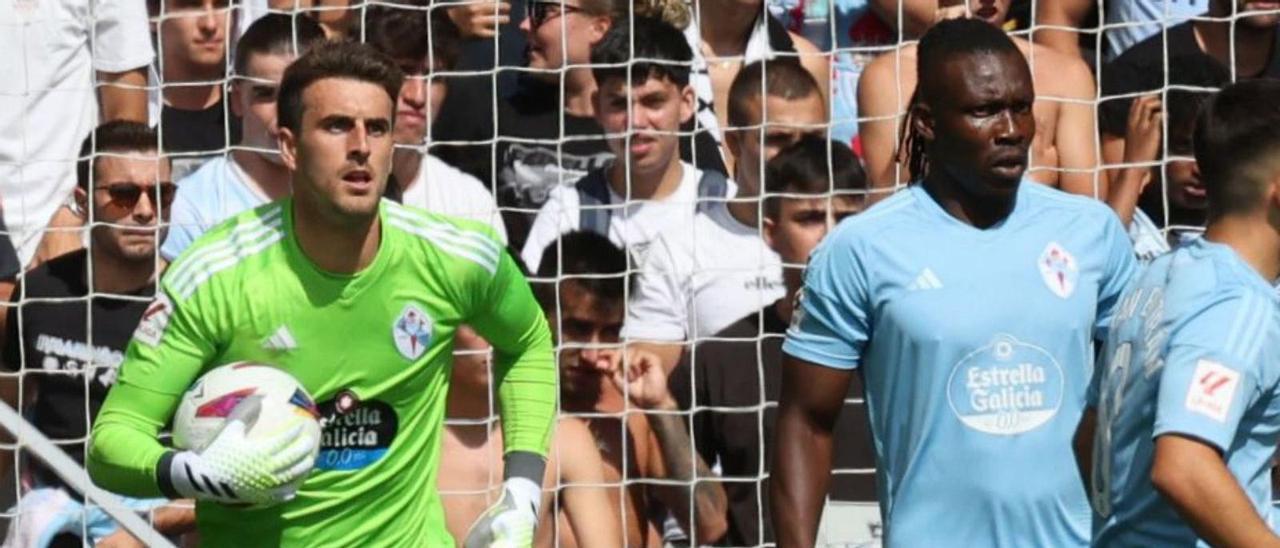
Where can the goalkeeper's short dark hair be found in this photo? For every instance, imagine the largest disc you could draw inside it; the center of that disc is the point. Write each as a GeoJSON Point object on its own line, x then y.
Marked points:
{"type": "Point", "coordinates": [276, 34]}
{"type": "Point", "coordinates": [815, 167]}
{"type": "Point", "coordinates": [1237, 145]}
{"type": "Point", "coordinates": [342, 60]}
{"type": "Point", "coordinates": [660, 51]}
{"type": "Point", "coordinates": [116, 136]}
{"type": "Point", "coordinates": [588, 260]}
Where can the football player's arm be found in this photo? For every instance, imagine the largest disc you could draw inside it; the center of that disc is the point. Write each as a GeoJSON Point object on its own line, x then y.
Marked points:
{"type": "Point", "coordinates": [1212, 374]}
{"type": "Point", "coordinates": [163, 359]}
{"type": "Point", "coordinates": [505, 313]}
{"type": "Point", "coordinates": [830, 329]}
{"type": "Point", "coordinates": [1082, 444]}
{"type": "Point", "coordinates": [1192, 476]}
{"type": "Point", "coordinates": [811, 399]}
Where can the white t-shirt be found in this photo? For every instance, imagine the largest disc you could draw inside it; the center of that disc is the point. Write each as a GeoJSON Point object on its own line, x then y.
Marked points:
{"type": "Point", "coordinates": [442, 188]}
{"type": "Point", "coordinates": [632, 225]}
{"type": "Point", "coordinates": [217, 191]}
{"type": "Point", "coordinates": [694, 285]}
{"type": "Point", "coordinates": [48, 102]}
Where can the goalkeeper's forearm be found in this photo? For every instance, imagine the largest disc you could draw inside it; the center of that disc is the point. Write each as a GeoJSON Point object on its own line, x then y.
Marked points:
{"type": "Point", "coordinates": [527, 395]}
{"type": "Point", "coordinates": [124, 450]}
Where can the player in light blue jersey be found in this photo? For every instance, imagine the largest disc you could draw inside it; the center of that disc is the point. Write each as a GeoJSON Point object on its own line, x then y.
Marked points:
{"type": "Point", "coordinates": [969, 303]}
{"type": "Point", "coordinates": [1188, 403]}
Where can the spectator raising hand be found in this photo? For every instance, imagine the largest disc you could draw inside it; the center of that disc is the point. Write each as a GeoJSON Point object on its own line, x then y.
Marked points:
{"type": "Point", "coordinates": [481, 18]}
{"type": "Point", "coordinates": [639, 374]}
{"type": "Point", "coordinates": [1142, 148]}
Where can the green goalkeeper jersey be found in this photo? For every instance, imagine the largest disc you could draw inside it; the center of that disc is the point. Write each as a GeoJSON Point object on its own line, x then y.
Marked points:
{"type": "Point", "coordinates": [374, 349]}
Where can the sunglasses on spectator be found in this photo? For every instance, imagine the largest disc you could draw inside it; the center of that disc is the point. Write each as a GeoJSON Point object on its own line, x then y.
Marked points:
{"type": "Point", "coordinates": [126, 195]}
{"type": "Point", "coordinates": [542, 10]}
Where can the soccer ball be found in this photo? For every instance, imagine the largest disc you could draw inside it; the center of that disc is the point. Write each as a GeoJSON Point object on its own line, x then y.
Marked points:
{"type": "Point", "coordinates": [206, 405]}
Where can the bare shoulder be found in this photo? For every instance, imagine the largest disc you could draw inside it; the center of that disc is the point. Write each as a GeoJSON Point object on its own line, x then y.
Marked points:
{"type": "Point", "coordinates": [1057, 73]}
{"type": "Point", "coordinates": [876, 85]}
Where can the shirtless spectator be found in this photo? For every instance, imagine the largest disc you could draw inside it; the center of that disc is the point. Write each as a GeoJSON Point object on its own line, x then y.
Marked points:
{"type": "Point", "coordinates": [584, 305]}
{"type": "Point", "coordinates": [1063, 152]}
{"type": "Point", "coordinates": [253, 173]}
{"type": "Point", "coordinates": [575, 506]}
{"type": "Point", "coordinates": [192, 38]}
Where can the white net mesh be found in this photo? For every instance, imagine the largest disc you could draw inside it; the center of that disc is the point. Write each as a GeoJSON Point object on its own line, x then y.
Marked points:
{"type": "Point", "coordinates": [64, 51]}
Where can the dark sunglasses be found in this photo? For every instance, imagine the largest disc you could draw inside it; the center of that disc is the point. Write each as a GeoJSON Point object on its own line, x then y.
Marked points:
{"type": "Point", "coordinates": [541, 10]}
{"type": "Point", "coordinates": [126, 195]}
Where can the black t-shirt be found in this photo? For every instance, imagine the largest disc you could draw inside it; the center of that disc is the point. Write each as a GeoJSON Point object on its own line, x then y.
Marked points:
{"type": "Point", "coordinates": [48, 342]}
{"type": "Point", "coordinates": [727, 376]}
{"type": "Point", "coordinates": [202, 132]}
{"type": "Point", "coordinates": [534, 151]}
{"type": "Point", "coordinates": [1141, 69]}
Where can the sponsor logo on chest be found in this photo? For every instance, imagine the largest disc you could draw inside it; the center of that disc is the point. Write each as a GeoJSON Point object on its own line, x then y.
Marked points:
{"type": "Point", "coordinates": [412, 332]}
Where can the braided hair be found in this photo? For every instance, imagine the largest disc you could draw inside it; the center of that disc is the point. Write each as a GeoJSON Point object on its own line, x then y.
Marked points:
{"type": "Point", "coordinates": [943, 41]}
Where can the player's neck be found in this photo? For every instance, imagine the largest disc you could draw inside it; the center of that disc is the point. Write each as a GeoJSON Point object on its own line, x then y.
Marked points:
{"type": "Point", "coordinates": [405, 165]}
{"type": "Point", "coordinates": [1253, 46]}
{"type": "Point", "coordinates": [656, 185]}
{"type": "Point", "coordinates": [1254, 240]}
{"type": "Point", "coordinates": [978, 211]}
{"type": "Point", "coordinates": [115, 275]}
{"type": "Point", "coordinates": [271, 178]}
{"type": "Point", "coordinates": [725, 29]}
{"type": "Point", "coordinates": [336, 247]}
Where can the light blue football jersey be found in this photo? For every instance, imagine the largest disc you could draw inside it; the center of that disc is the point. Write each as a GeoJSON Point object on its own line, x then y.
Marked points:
{"type": "Point", "coordinates": [976, 350]}
{"type": "Point", "coordinates": [1208, 370]}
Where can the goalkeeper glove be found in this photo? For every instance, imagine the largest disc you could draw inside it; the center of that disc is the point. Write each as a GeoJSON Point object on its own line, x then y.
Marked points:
{"type": "Point", "coordinates": [235, 469]}
{"type": "Point", "coordinates": [509, 523]}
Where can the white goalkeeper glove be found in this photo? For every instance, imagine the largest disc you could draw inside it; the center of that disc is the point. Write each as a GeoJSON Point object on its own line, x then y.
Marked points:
{"type": "Point", "coordinates": [511, 522]}
{"type": "Point", "coordinates": [234, 469]}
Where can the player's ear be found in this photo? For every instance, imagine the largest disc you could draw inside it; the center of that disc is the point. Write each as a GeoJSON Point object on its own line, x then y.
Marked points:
{"type": "Point", "coordinates": [922, 120]}
{"type": "Point", "coordinates": [288, 144]}
{"type": "Point", "coordinates": [82, 202]}
{"type": "Point", "coordinates": [687, 102]}
{"type": "Point", "coordinates": [767, 230]}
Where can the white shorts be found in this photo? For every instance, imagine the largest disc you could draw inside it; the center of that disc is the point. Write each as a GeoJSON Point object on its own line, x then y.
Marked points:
{"type": "Point", "coordinates": [45, 513]}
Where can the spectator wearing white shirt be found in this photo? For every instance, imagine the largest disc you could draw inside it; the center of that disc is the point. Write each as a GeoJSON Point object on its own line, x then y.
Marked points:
{"type": "Point", "coordinates": [643, 97]}
{"type": "Point", "coordinates": [422, 43]}
{"type": "Point", "coordinates": [49, 103]}
{"type": "Point", "coordinates": [252, 174]}
{"type": "Point", "coordinates": [696, 282]}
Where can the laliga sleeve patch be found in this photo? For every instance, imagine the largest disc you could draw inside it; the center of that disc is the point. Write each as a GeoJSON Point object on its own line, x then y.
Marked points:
{"type": "Point", "coordinates": [1213, 388]}
{"type": "Point", "coordinates": [154, 321]}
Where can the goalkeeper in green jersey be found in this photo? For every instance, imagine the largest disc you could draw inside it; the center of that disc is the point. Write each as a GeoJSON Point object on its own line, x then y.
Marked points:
{"type": "Point", "coordinates": [356, 297]}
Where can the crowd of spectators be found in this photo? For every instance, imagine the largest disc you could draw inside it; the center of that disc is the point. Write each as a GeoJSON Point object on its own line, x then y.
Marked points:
{"type": "Point", "coordinates": [662, 168]}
